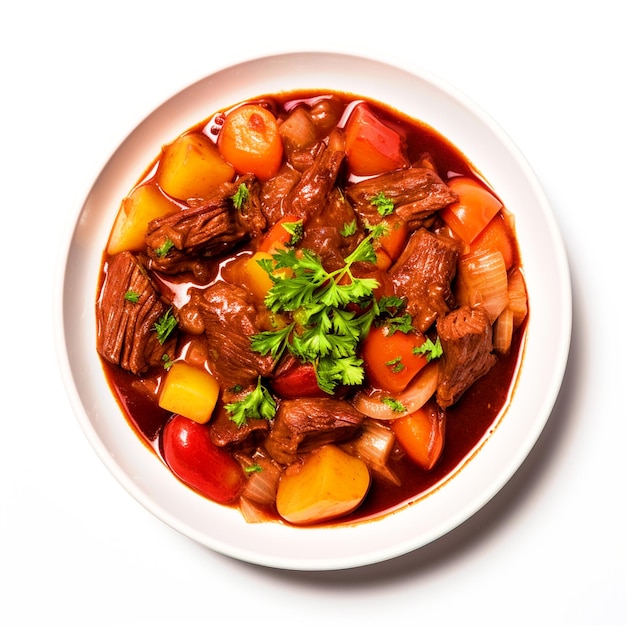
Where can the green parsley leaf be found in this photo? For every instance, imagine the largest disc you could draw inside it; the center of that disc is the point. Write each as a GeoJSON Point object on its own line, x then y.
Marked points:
{"type": "Point", "coordinates": [323, 331]}
{"type": "Point", "coordinates": [251, 469]}
{"type": "Point", "coordinates": [241, 196]}
{"type": "Point", "coordinates": [258, 404]}
{"type": "Point", "coordinates": [296, 230]}
{"type": "Point", "coordinates": [349, 228]}
{"type": "Point", "coordinates": [167, 361]}
{"type": "Point", "coordinates": [165, 325]}
{"type": "Point", "coordinates": [429, 349]}
{"type": "Point", "coordinates": [131, 296]}
{"type": "Point", "coordinates": [395, 405]}
{"type": "Point", "coordinates": [163, 249]}
{"type": "Point", "coordinates": [396, 365]}
{"type": "Point", "coordinates": [383, 204]}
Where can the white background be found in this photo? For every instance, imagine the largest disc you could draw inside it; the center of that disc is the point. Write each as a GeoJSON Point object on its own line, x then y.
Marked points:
{"type": "Point", "coordinates": [75, 548]}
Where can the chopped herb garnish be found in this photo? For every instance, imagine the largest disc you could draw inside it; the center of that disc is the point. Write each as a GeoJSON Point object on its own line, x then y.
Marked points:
{"type": "Point", "coordinates": [251, 469]}
{"type": "Point", "coordinates": [296, 230]}
{"type": "Point", "coordinates": [349, 228]}
{"type": "Point", "coordinates": [322, 332]}
{"type": "Point", "coordinates": [162, 250]}
{"type": "Point", "coordinates": [241, 196]}
{"type": "Point", "coordinates": [258, 404]}
{"type": "Point", "coordinates": [167, 361]}
{"type": "Point", "coordinates": [429, 349]}
{"type": "Point", "coordinates": [395, 405]}
{"type": "Point", "coordinates": [165, 325]}
{"type": "Point", "coordinates": [383, 204]}
{"type": "Point", "coordinates": [396, 365]}
{"type": "Point", "coordinates": [131, 296]}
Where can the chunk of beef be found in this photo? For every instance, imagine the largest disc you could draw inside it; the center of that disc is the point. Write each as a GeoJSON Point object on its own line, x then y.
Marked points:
{"type": "Point", "coordinates": [275, 191]}
{"type": "Point", "coordinates": [416, 192]}
{"type": "Point", "coordinates": [423, 274]}
{"type": "Point", "coordinates": [228, 319]}
{"type": "Point", "coordinates": [207, 230]}
{"type": "Point", "coordinates": [126, 335]}
{"type": "Point", "coordinates": [224, 432]}
{"type": "Point", "coordinates": [306, 423]}
{"type": "Point", "coordinates": [466, 339]}
{"type": "Point", "coordinates": [323, 232]}
{"type": "Point", "coordinates": [309, 195]}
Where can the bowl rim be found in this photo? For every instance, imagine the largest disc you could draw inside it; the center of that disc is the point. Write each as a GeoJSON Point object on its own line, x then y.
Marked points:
{"type": "Point", "coordinates": [326, 561]}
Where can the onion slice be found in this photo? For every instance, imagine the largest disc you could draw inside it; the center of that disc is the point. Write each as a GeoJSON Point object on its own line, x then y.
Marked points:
{"type": "Point", "coordinates": [420, 390]}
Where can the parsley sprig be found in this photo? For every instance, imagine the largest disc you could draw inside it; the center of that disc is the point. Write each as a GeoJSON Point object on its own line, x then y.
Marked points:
{"type": "Point", "coordinates": [429, 349]}
{"type": "Point", "coordinates": [165, 325]}
{"type": "Point", "coordinates": [322, 330]}
{"type": "Point", "coordinates": [258, 404]}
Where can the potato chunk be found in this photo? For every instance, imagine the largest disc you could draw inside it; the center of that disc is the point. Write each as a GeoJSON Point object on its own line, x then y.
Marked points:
{"type": "Point", "coordinates": [144, 204]}
{"type": "Point", "coordinates": [328, 484]}
{"type": "Point", "coordinates": [192, 167]}
{"type": "Point", "coordinates": [189, 391]}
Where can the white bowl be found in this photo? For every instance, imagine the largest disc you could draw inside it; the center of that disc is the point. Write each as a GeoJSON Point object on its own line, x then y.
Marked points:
{"type": "Point", "coordinates": [497, 456]}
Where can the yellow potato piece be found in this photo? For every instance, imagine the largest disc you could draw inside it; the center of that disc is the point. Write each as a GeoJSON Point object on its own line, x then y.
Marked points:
{"type": "Point", "coordinates": [257, 279]}
{"type": "Point", "coordinates": [144, 204]}
{"type": "Point", "coordinates": [189, 391]}
{"type": "Point", "coordinates": [192, 167]}
{"type": "Point", "coordinates": [328, 484]}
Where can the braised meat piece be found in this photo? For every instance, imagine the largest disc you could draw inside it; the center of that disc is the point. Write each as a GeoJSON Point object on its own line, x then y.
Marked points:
{"type": "Point", "coordinates": [177, 243]}
{"type": "Point", "coordinates": [275, 191]}
{"type": "Point", "coordinates": [228, 319]}
{"type": "Point", "coordinates": [323, 232]}
{"type": "Point", "coordinates": [423, 274]}
{"type": "Point", "coordinates": [224, 432]}
{"type": "Point", "coordinates": [309, 195]}
{"type": "Point", "coordinates": [304, 424]}
{"type": "Point", "coordinates": [416, 193]}
{"type": "Point", "coordinates": [127, 311]}
{"type": "Point", "coordinates": [466, 339]}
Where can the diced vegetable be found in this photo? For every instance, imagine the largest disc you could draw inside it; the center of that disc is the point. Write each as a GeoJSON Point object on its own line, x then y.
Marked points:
{"type": "Point", "coordinates": [263, 476]}
{"type": "Point", "coordinates": [381, 405]}
{"type": "Point", "coordinates": [372, 147]}
{"type": "Point", "coordinates": [144, 204]}
{"type": "Point", "coordinates": [421, 434]}
{"type": "Point", "coordinates": [300, 381]}
{"type": "Point", "coordinates": [257, 279]}
{"type": "Point", "coordinates": [250, 141]}
{"type": "Point", "coordinates": [192, 167]}
{"type": "Point", "coordinates": [482, 279]}
{"type": "Point", "coordinates": [287, 230]}
{"type": "Point", "coordinates": [195, 460]}
{"type": "Point", "coordinates": [298, 130]}
{"type": "Point", "coordinates": [374, 446]}
{"type": "Point", "coordinates": [328, 484]}
{"type": "Point", "coordinates": [496, 236]}
{"type": "Point", "coordinates": [189, 391]}
{"type": "Point", "coordinates": [518, 299]}
{"type": "Point", "coordinates": [474, 209]}
{"type": "Point", "coordinates": [390, 360]}
{"type": "Point", "coordinates": [394, 240]}
{"type": "Point", "coordinates": [503, 331]}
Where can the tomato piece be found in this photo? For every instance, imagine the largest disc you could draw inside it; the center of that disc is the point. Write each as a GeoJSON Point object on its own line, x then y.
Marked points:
{"type": "Point", "coordinates": [393, 241]}
{"type": "Point", "coordinates": [299, 381]}
{"type": "Point", "coordinates": [196, 461]}
{"type": "Point", "coordinates": [372, 147]}
{"type": "Point", "coordinates": [389, 358]}
{"type": "Point", "coordinates": [496, 236]}
{"type": "Point", "coordinates": [421, 434]}
{"type": "Point", "coordinates": [278, 236]}
{"type": "Point", "coordinates": [472, 212]}
{"type": "Point", "coordinates": [250, 141]}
